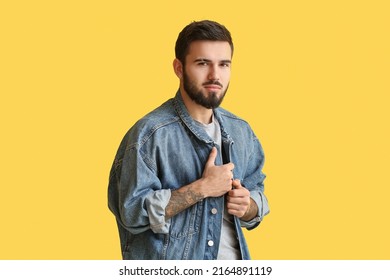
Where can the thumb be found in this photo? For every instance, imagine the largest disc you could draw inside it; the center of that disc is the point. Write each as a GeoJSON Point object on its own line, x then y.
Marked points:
{"type": "Point", "coordinates": [212, 156]}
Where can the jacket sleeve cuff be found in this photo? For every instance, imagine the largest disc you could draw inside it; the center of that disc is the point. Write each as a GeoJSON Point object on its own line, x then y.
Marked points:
{"type": "Point", "coordinates": [156, 203]}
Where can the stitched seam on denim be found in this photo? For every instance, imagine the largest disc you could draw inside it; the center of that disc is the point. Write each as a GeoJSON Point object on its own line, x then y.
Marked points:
{"type": "Point", "coordinates": [227, 114]}
{"type": "Point", "coordinates": [151, 132]}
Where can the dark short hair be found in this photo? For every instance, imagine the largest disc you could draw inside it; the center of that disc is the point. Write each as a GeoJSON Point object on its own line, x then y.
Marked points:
{"type": "Point", "coordinates": [205, 30]}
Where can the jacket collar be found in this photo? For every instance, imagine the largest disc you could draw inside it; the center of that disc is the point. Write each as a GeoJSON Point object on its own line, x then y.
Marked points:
{"type": "Point", "coordinates": [182, 112]}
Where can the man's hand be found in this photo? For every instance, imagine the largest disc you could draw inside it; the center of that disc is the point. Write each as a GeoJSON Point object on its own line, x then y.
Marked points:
{"type": "Point", "coordinates": [239, 202]}
{"type": "Point", "coordinates": [217, 179]}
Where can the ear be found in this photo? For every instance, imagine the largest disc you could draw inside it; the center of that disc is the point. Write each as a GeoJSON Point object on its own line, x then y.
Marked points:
{"type": "Point", "coordinates": [178, 68]}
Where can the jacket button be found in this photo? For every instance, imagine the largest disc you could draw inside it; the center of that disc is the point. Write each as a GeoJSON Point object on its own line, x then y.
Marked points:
{"type": "Point", "coordinates": [210, 243]}
{"type": "Point", "coordinates": [214, 211]}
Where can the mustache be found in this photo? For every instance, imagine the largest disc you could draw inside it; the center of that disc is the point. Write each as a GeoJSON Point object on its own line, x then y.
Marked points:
{"type": "Point", "coordinates": [212, 83]}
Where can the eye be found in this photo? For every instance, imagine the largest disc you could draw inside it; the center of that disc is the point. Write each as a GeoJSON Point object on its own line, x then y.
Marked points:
{"type": "Point", "coordinates": [225, 64]}
{"type": "Point", "coordinates": [203, 63]}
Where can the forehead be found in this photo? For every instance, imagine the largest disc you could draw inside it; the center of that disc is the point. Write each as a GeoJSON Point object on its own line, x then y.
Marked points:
{"type": "Point", "coordinates": [212, 50]}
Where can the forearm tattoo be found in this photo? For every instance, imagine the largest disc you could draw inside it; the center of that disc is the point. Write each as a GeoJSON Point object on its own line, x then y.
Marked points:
{"type": "Point", "coordinates": [180, 200]}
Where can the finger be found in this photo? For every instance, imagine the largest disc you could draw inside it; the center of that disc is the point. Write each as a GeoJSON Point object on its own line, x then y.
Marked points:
{"type": "Point", "coordinates": [236, 209]}
{"type": "Point", "coordinates": [212, 156]}
{"type": "Point", "coordinates": [229, 172]}
{"type": "Point", "coordinates": [237, 213]}
{"type": "Point", "coordinates": [239, 192]}
{"type": "Point", "coordinates": [229, 166]}
{"type": "Point", "coordinates": [237, 184]}
{"type": "Point", "coordinates": [236, 206]}
{"type": "Point", "coordinates": [231, 200]}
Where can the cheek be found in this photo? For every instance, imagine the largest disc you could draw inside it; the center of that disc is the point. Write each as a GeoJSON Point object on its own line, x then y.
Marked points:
{"type": "Point", "coordinates": [193, 74]}
{"type": "Point", "coordinates": [226, 75]}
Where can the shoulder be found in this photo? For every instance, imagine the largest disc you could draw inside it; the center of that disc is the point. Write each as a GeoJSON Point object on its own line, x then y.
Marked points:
{"type": "Point", "coordinates": [233, 124]}
{"type": "Point", "coordinates": [145, 127]}
{"type": "Point", "coordinates": [161, 116]}
{"type": "Point", "coordinates": [228, 117]}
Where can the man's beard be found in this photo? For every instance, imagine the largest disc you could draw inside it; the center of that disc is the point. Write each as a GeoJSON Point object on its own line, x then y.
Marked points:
{"type": "Point", "coordinates": [210, 101]}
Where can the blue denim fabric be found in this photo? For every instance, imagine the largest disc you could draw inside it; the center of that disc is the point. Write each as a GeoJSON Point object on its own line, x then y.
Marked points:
{"type": "Point", "coordinates": [164, 151]}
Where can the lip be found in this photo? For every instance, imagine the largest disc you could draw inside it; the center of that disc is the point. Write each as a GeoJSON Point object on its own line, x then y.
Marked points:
{"type": "Point", "coordinates": [212, 87]}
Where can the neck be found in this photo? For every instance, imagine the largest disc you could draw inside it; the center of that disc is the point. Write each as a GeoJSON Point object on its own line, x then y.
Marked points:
{"type": "Point", "coordinates": [196, 111]}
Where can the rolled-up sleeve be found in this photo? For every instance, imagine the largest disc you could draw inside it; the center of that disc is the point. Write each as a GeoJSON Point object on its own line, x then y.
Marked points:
{"type": "Point", "coordinates": [136, 196]}
{"type": "Point", "coordinates": [254, 182]}
{"type": "Point", "coordinates": [156, 203]}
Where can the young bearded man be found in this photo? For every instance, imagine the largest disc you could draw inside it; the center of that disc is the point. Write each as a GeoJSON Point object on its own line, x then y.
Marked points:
{"type": "Point", "coordinates": [188, 176]}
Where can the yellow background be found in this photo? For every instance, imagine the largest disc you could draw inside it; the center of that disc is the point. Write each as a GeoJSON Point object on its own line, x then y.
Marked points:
{"type": "Point", "coordinates": [311, 77]}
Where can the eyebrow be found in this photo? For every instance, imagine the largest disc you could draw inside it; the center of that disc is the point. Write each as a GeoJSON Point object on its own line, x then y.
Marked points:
{"type": "Point", "coordinates": [208, 60]}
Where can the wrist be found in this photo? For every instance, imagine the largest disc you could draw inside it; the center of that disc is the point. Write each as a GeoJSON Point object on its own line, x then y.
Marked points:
{"type": "Point", "coordinates": [251, 211]}
{"type": "Point", "coordinates": [199, 187]}
{"type": "Point", "coordinates": [248, 209]}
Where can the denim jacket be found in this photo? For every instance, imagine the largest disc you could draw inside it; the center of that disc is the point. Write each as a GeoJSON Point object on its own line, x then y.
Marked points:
{"type": "Point", "coordinates": [164, 151]}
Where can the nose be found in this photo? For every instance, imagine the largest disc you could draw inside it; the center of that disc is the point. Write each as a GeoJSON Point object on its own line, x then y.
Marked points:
{"type": "Point", "coordinates": [213, 73]}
